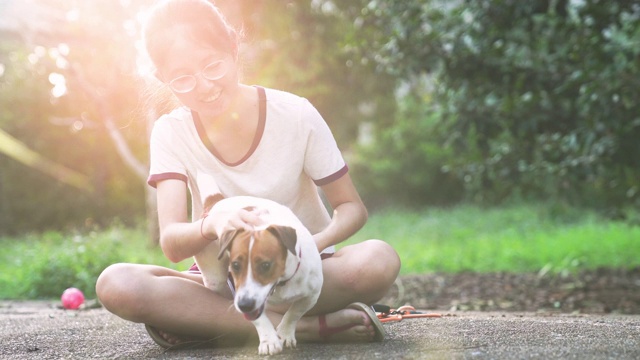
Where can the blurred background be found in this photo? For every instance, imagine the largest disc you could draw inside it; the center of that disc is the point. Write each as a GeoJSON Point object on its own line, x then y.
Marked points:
{"type": "Point", "coordinates": [433, 102]}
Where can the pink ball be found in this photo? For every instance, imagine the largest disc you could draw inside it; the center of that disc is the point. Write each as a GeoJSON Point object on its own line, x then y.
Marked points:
{"type": "Point", "coordinates": [72, 298]}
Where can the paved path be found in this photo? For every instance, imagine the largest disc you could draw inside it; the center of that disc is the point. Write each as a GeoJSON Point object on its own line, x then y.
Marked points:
{"type": "Point", "coordinates": [38, 330]}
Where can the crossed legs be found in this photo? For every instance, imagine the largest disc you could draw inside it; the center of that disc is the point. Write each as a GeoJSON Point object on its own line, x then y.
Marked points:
{"type": "Point", "coordinates": [179, 304]}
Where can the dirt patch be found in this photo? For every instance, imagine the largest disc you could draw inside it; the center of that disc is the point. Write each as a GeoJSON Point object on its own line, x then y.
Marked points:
{"type": "Point", "coordinates": [594, 291]}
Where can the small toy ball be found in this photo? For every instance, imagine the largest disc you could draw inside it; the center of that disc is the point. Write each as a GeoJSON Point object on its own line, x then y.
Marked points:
{"type": "Point", "coordinates": [72, 298]}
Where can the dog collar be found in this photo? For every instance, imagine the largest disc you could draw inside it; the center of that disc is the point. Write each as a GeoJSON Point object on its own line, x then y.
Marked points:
{"type": "Point", "coordinates": [284, 282]}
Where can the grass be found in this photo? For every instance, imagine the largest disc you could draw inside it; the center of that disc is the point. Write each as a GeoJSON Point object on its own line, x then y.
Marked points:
{"type": "Point", "coordinates": [519, 238]}
{"type": "Point", "coordinates": [43, 265]}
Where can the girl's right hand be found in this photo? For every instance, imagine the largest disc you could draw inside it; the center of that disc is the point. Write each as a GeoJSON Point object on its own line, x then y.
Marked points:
{"type": "Point", "coordinates": [246, 219]}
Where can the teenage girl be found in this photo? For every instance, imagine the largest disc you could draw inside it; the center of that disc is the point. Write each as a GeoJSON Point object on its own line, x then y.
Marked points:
{"type": "Point", "coordinates": [246, 140]}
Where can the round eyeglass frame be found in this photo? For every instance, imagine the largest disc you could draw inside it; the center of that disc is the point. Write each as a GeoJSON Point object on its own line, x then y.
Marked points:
{"type": "Point", "coordinates": [215, 70]}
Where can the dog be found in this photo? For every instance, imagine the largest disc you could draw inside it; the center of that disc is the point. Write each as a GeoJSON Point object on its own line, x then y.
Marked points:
{"type": "Point", "coordinates": [276, 262]}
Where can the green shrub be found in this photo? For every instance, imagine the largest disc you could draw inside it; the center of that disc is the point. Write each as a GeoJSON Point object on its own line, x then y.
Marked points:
{"type": "Point", "coordinates": [43, 266]}
{"type": "Point", "coordinates": [539, 98]}
{"type": "Point", "coordinates": [405, 165]}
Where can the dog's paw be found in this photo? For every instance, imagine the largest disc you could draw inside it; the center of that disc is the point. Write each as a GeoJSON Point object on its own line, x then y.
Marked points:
{"type": "Point", "coordinates": [289, 342]}
{"type": "Point", "coordinates": [287, 336]}
{"type": "Point", "coordinates": [270, 346]}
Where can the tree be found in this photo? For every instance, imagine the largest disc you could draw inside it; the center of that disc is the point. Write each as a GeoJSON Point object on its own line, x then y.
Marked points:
{"type": "Point", "coordinates": [539, 98]}
{"type": "Point", "coordinates": [80, 58]}
{"type": "Point", "coordinates": [15, 149]}
{"type": "Point", "coordinates": [87, 52]}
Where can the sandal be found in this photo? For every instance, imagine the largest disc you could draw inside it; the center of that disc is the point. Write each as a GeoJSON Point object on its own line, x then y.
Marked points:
{"type": "Point", "coordinates": [326, 331]}
{"type": "Point", "coordinates": [185, 343]}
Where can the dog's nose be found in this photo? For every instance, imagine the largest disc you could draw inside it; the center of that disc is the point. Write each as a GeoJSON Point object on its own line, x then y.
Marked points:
{"type": "Point", "coordinates": [246, 304]}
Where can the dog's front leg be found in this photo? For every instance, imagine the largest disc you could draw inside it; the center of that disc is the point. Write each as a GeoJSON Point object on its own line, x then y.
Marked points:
{"type": "Point", "coordinates": [214, 271]}
{"type": "Point", "coordinates": [270, 343]}
{"type": "Point", "coordinates": [287, 327]}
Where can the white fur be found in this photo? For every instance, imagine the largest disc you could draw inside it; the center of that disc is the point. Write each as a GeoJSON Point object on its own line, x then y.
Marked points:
{"type": "Point", "coordinates": [301, 291]}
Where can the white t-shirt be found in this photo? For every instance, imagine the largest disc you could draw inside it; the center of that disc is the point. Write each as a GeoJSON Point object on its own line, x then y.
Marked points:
{"type": "Point", "coordinates": [293, 153]}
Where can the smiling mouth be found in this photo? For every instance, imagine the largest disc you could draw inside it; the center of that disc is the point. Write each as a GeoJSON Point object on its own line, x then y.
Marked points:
{"type": "Point", "coordinates": [215, 96]}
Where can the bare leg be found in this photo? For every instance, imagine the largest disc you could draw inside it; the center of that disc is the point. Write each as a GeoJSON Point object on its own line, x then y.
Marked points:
{"type": "Point", "coordinates": [362, 272]}
{"type": "Point", "coordinates": [179, 303]}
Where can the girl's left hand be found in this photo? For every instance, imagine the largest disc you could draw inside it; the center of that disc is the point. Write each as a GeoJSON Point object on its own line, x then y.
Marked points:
{"type": "Point", "coordinates": [246, 219]}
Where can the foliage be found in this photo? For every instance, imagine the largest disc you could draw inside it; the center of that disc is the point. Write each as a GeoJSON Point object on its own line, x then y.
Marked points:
{"type": "Point", "coordinates": [548, 237]}
{"type": "Point", "coordinates": [42, 266]}
{"type": "Point", "coordinates": [62, 80]}
{"type": "Point", "coordinates": [45, 108]}
{"type": "Point", "coordinates": [405, 163]}
{"type": "Point", "coordinates": [299, 47]}
{"type": "Point", "coordinates": [483, 100]}
{"type": "Point", "coordinates": [539, 98]}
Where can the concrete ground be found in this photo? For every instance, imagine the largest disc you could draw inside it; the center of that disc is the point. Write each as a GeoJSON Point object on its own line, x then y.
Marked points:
{"type": "Point", "coordinates": [39, 330]}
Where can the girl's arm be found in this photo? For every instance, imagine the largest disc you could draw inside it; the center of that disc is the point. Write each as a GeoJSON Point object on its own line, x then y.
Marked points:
{"type": "Point", "coordinates": [349, 213]}
{"type": "Point", "coordinates": [180, 238]}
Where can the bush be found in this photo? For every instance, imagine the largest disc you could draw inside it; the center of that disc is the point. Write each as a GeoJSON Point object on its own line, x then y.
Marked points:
{"type": "Point", "coordinates": [540, 99]}
{"type": "Point", "coordinates": [43, 266]}
{"type": "Point", "coordinates": [550, 94]}
{"type": "Point", "coordinates": [405, 165]}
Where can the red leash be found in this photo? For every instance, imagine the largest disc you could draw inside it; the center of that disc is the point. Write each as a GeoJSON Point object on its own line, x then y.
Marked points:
{"type": "Point", "coordinates": [386, 314]}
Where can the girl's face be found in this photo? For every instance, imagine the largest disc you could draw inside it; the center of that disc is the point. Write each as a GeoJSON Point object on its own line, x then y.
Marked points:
{"type": "Point", "coordinates": [202, 78]}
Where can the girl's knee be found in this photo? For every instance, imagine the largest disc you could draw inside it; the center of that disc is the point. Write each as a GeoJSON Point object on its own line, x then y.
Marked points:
{"type": "Point", "coordinates": [383, 258]}
{"type": "Point", "coordinates": [109, 280]}
{"type": "Point", "coordinates": [373, 267]}
{"type": "Point", "coordinates": [118, 289]}
{"type": "Point", "coordinates": [383, 269]}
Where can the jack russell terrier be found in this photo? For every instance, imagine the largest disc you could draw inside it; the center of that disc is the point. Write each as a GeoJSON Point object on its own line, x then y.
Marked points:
{"type": "Point", "coordinates": [277, 262]}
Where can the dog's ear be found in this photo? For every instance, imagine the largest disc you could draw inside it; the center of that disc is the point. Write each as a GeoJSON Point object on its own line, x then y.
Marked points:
{"type": "Point", "coordinates": [226, 239]}
{"type": "Point", "coordinates": [286, 235]}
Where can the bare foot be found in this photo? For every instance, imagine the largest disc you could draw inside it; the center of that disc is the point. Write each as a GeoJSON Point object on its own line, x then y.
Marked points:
{"type": "Point", "coordinates": [347, 325]}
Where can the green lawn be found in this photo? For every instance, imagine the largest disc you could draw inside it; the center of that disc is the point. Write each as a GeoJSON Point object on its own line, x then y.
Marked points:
{"type": "Point", "coordinates": [466, 238]}
{"type": "Point", "coordinates": [515, 239]}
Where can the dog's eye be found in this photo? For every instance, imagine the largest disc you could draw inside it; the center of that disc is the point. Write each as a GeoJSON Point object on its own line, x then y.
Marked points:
{"type": "Point", "coordinates": [265, 267]}
{"type": "Point", "coordinates": [235, 266]}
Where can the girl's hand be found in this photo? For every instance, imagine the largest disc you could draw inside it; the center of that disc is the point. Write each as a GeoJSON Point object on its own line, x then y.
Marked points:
{"type": "Point", "coordinates": [245, 219]}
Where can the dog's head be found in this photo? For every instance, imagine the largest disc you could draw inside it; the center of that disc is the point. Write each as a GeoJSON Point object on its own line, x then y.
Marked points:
{"type": "Point", "coordinates": [257, 261]}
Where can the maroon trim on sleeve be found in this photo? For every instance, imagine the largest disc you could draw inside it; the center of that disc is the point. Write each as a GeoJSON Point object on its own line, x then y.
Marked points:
{"type": "Point", "coordinates": [153, 179]}
{"type": "Point", "coordinates": [333, 177]}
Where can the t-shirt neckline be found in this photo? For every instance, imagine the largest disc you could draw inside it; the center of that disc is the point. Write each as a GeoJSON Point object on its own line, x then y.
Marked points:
{"type": "Point", "coordinates": [262, 117]}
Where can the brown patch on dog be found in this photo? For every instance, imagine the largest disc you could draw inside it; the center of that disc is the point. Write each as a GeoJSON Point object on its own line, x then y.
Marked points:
{"type": "Point", "coordinates": [210, 201]}
{"type": "Point", "coordinates": [226, 239]}
{"type": "Point", "coordinates": [268, 254]}
{"type": "Point", "coordinates": [239, 255]}
{"type": "Point", "coordinates": [268, 257]}
{"type": "Point", "coordinates": [286, 234]}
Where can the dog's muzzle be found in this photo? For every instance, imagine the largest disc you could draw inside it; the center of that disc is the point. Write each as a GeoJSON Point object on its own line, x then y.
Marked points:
{"type": "Point", "coordinates": [247, 307]}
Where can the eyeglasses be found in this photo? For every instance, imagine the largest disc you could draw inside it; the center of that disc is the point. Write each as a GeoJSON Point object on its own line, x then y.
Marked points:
{"type": "Point", "coordinates": [185, 83]}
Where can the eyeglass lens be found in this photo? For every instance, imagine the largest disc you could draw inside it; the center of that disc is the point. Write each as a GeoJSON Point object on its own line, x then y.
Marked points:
{"type": "Point", "coordinates": [185, 83]}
